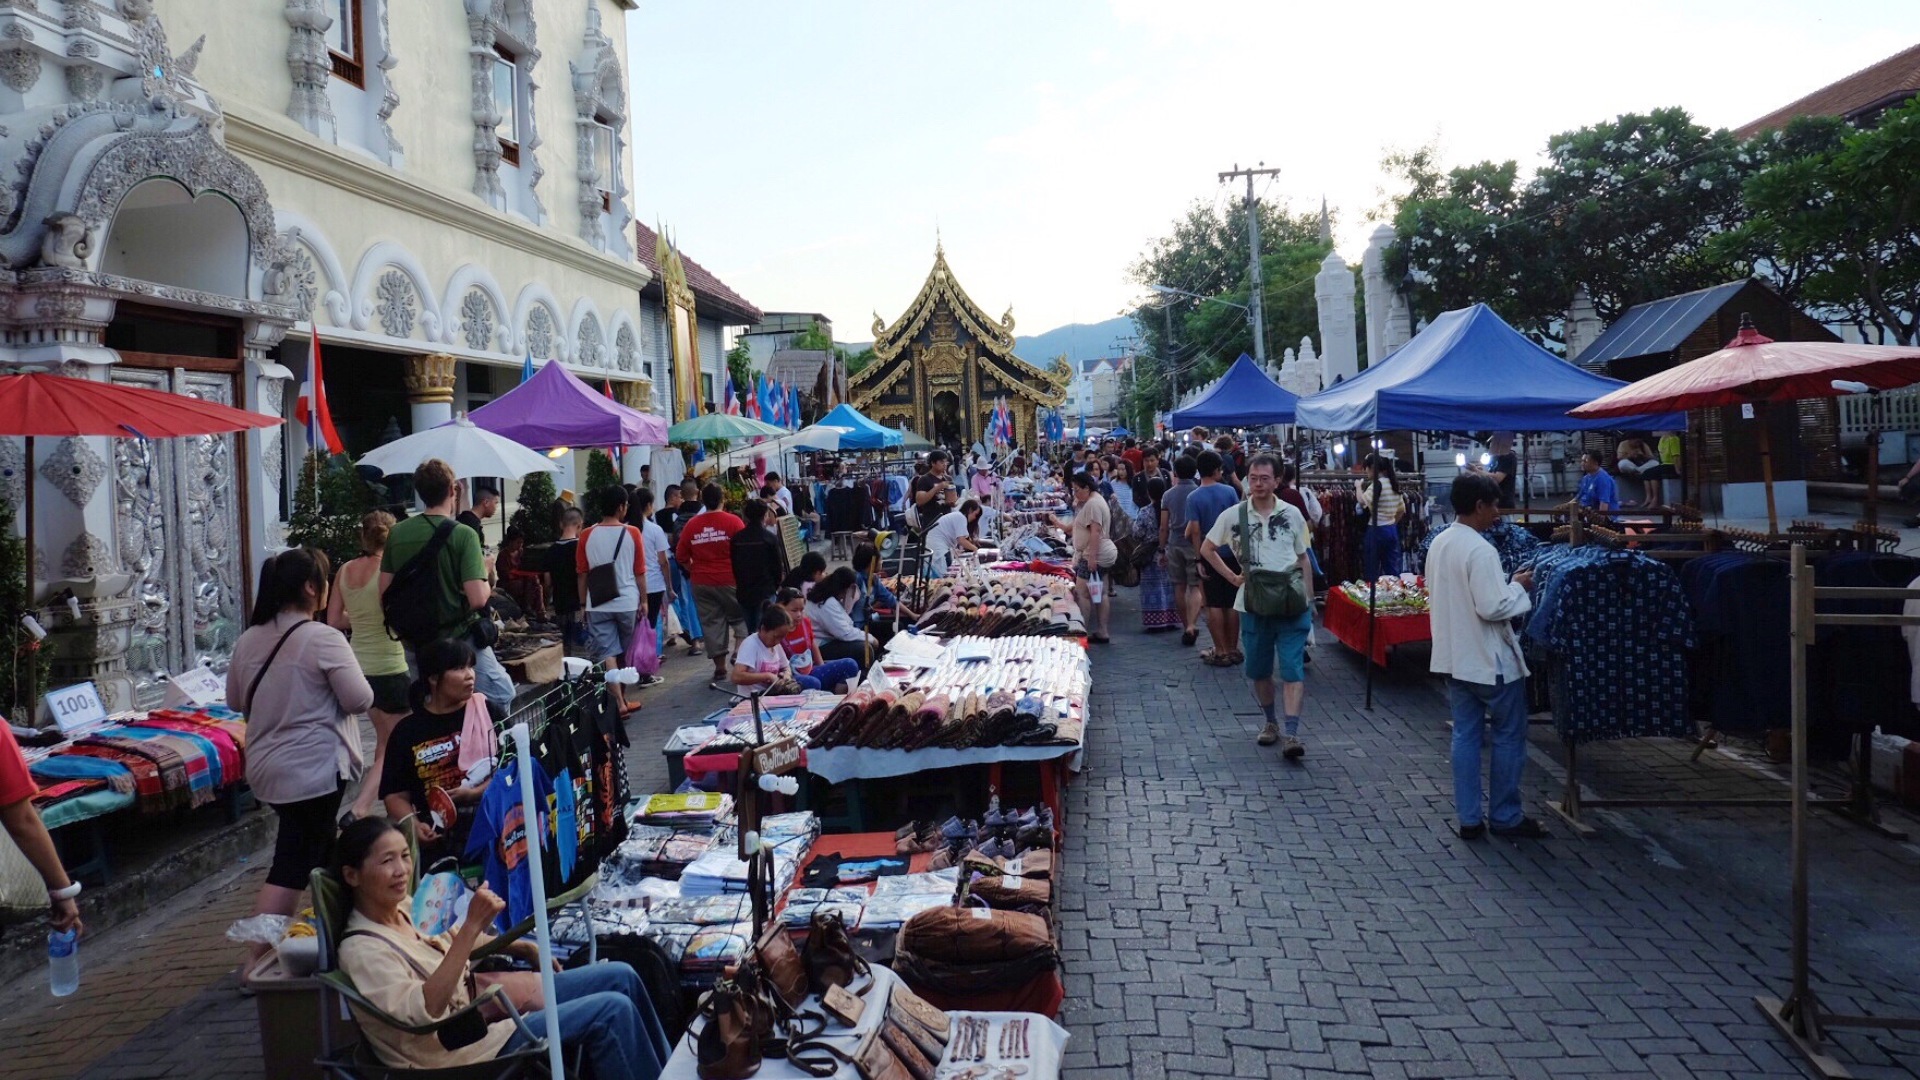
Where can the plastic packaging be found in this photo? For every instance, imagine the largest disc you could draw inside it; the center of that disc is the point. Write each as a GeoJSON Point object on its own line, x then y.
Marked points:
{"type": "Point", "coordinates": [259, 929]}
{"type": "Point", "coordinates": [63, 962]}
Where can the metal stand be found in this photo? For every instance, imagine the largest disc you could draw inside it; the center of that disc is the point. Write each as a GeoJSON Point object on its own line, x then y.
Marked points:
{"type": "Point", "coordinates": [1373, 588]}
{"type": "Point", "coordinates": [1801, 1017]}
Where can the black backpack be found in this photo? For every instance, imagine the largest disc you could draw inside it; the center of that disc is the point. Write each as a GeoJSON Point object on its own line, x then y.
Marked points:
{"type": "Point", "coordinates": [413, 604]}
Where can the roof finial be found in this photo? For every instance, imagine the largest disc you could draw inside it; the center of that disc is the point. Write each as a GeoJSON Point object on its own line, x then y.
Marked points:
{"type": "Point", "coordinates": [1326, 223]}
{"type": "Point", "coordinates": [939, 249]}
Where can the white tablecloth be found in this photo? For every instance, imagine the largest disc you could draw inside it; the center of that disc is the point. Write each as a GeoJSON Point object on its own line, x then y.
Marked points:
{"type": "Point", "coordinates": [1046, 1042]}
{"type": "Point", "coordinates": [841, 763]}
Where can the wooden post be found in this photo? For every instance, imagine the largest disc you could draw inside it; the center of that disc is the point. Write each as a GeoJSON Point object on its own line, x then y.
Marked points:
{"type": "Point", "coordinates": [1766, 468]}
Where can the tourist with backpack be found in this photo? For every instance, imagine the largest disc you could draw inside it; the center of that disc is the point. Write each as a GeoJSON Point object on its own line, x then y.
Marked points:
{"type": "Point", "coordinates": [433, 581]}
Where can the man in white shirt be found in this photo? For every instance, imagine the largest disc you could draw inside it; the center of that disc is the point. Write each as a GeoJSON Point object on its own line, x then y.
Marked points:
{"type": "Point", "coordinates": [1275, 539]}
{"type": "Point", "coordinates": [1472, 604]}
{"type": "Point", "coordinates": [780, 493]}
{"type": "Point", "coordinates": [615, 545]}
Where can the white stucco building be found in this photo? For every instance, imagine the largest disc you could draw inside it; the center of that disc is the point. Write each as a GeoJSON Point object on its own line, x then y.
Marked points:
{"type": "Point", "coordinates": [440, 188]}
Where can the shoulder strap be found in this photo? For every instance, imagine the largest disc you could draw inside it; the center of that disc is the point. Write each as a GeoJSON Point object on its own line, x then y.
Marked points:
{"type": "Point", "coordinates": [441, 534]}
{"type": "Point", "coordinates": [1246, 536]}
{"type": "Point", "coordinates": [391, 944]}
{"type": "Point", "coordinates": [262, 673]}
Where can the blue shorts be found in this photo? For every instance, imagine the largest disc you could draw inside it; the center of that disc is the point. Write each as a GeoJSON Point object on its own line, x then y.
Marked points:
{"type": "Point", "coordinates": [1266, 636]}
{"type": "Point", "coordinates": [610, 632]}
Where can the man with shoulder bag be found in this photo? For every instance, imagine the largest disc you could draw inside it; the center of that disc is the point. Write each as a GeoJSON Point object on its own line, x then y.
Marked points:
{"type": "Point", "coordinates": [433, 582]}
{"type": "Point", "coordinates": [1269, 540]}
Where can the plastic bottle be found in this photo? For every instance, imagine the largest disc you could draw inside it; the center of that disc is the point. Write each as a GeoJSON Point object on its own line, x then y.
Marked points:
{"type": "Point", "coordinates": [63, 962]}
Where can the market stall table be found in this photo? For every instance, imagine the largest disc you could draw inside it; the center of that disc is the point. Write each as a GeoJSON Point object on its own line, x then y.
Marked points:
{"type": "Point", "coordinates": [1346, 620]}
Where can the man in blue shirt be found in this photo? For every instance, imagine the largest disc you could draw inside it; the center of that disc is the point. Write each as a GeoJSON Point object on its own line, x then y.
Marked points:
{"type": "Point", "coordinates": [1205, 504]}
{"type": "Point", "coordinates": [1597, 490]}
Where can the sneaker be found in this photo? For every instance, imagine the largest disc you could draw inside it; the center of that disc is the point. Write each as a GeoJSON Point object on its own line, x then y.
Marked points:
{"type": "Point", "coordinates": [1269, 735]}
{"type": "Point", "coordinates": [1292, 749]}
{"type": "Point", "coordinates": [1474, 831]}
{"type": "Point", "coordinates": [652, 680]}
{"type": "Point", "coordinates": [1528, 829]}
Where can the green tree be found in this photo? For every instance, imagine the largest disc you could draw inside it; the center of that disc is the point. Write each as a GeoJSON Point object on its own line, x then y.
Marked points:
{"type": "Point", "coordinates": [1631, 208]}
{"type": "Point", "coordinates": [1206, 253]}
{"type": "Point", "coordinates": [534, 519]}
{"type": "Point", "coordinates": [739, 369]}
{"type": "Point", "coordinates": [18, 682]}
{"type": "Point", "coordinates": [328, 504]}
{"type": "Point", "coordinates": [856, 362]}
{"type": "Point", "coordinates": [600, 475]}
{"type": "Point", "coordinates": [813, 339]}
{"type": "Point", "coordinates": [1837, 212]}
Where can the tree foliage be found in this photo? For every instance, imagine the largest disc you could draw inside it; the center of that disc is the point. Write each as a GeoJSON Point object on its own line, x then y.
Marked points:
{"type": "Point", "coordinates": [856, 362]}
{"type": "Point", "coordinates": [14, 681]}
{"type": "Point", "coordinates": [328, 504]}
{"type": "Point", "coordinates": [1838, 214]}
{"type": "Point", "coordinates": [534, 520]}
{"type": "Point", "coordinates": [740, 369]}
{"type": "Point", "coordinates": [1206, 253]}
{"type": "Point", "coordinates": [600, 474]}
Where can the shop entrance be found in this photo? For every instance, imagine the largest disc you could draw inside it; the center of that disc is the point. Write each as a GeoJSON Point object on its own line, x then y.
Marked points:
{"type": "Point", "coordinates": [179, 505]}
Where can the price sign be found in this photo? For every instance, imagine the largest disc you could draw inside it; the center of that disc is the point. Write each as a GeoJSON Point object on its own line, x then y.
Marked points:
{"type": "Point", "coordinates": [77, 706]}
{"type": "Point", "coordinates": [195, 688]}
{"type": "Point", "coordinates": [1746, 411]}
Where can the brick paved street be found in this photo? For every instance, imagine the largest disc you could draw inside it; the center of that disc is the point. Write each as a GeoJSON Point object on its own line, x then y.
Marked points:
{"type": "Point", "coordinates": [1226, 914]}
{"type": "Point", "coordinates": [1229, 914]}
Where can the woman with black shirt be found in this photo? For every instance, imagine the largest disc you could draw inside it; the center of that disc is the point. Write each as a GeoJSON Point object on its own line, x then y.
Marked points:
{"type": "Point", "coordinates": [424, 750]}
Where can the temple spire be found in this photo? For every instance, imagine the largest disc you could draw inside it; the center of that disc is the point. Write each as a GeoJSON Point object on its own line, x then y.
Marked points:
{"type": "Point", "coordinates": [1326, 223]}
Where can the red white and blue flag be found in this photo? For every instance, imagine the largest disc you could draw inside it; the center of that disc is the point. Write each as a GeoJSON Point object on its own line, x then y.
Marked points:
{"type": "Point", "coordinates": [311, 408]}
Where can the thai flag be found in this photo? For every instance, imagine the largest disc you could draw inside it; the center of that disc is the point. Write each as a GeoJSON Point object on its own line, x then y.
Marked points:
{"type": "Point", "coordinates": [793, 407]}
{"type": "Point", "coordinates": [526, 368]}
{"type": "Point", "coordinates": [751, 407]}
{"type": "Point", "coordinates": [311, 408]}
{"type": "Point", "coordinates": [732, 407]}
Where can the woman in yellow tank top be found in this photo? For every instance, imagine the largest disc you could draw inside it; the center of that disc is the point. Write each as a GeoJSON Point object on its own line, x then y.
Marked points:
{"type": "Point", "coordinates": [355, 608]}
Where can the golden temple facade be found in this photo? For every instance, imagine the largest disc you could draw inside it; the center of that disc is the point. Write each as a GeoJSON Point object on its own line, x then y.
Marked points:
{"type": "Point", "coordinates": [944, 364]}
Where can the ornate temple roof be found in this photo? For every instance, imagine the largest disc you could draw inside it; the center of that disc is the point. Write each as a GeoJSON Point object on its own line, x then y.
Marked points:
{"type": "Point", "coordinates": [942, 291]}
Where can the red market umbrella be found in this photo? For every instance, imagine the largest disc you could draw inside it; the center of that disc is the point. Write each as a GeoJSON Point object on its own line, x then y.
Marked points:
{"type": "Point", "coordinates": [1756, 370]}
{"type": "Point", "coordinates": [37, 403]}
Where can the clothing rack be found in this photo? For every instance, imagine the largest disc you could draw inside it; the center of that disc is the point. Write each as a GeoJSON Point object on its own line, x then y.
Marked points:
{"type": "Point", "coordinates": [1801, 1017]}
{"type": "Point", "coordinates": [1857, 806]}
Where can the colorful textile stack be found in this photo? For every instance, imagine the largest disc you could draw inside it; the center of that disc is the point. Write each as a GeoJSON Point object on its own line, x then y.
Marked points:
{"type": "Point", "coordinates": [1020, 691]}
{"type": "Point", "coordinates": [699, 809]}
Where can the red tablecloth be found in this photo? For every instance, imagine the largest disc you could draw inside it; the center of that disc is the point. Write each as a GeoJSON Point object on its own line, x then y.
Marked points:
{"type": "Point", "coordinates": [1347, 621]}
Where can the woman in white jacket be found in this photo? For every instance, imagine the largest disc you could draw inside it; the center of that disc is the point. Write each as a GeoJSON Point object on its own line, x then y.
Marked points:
{"type": "Point", "coordinates": [829, 605]}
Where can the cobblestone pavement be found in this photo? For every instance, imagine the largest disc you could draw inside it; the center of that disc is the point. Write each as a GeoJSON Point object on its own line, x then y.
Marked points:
{"type": "Point", "coordinates": [1227, 914]}
{"type": "Point", "coordinates": [1230, 914]}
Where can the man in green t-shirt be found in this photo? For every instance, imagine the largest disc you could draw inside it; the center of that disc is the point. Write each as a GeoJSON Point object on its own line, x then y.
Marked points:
{"type": "Point", "coordinates": [462, 572]}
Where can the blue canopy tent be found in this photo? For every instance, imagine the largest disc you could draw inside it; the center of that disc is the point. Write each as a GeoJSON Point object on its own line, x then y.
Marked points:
{"type": "Point", "coordinates": [866, 435]}
{"type": "Point", "coordinates": [1244, 397]}
{"type": "Point", "coordinates": [1469, 370]}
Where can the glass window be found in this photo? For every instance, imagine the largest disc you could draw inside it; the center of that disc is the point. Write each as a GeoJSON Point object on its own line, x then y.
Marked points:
{"type": "Point", "coordinates": [603, 154]}
{"type": "Point", "coordinates": [343, 36]}
{"type": "Point", "coordinates": [506, 95]}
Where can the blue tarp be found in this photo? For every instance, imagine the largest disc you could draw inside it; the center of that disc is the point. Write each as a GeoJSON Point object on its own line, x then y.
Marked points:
{"type": "Point", "coordinates": [866, 435]}
{"type": "Point", "coordinates": [1468, 371]}
{"type": "Point", "coordinates": [1244, 397]}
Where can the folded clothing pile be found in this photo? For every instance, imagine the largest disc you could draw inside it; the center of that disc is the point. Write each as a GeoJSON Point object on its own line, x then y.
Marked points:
{"type": "Point", "coordinates": [721, 871]}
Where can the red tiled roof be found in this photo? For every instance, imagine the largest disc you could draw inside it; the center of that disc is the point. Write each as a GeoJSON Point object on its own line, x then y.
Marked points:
{"type": "Point", "coordinates": [710, 290]}
{"type": "Point", "coordinates": [1888, 82]}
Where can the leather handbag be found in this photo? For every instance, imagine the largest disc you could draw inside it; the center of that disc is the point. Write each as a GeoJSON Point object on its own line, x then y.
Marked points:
{"type": "Point", "coordinates": [830, 959]}
{"type": "Point", "coordinates": [923, 1012]}
{"type": "Point", "coordinates": [906, 1052]}
{"type": "Point", "coordinates": [780, 962]}
{"type": "Point", "coordinates": [875, 1060]}
{"type": "Point", "coordinates": [728, 1046]}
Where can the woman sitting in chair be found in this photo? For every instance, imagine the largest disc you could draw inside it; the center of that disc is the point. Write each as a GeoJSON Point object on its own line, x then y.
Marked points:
{"type": "Point", "coordinates": [419, 980]}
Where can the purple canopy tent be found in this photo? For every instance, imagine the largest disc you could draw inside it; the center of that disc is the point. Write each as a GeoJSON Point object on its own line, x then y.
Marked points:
{"type": "Point", "coordinates": [554, 409]}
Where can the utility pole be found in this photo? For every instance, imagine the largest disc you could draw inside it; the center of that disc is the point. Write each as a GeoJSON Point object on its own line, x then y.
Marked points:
{"type": "Point", "coordinates": [1173, 372]}
{"type": "Point", "coordinates": [1253, 244]}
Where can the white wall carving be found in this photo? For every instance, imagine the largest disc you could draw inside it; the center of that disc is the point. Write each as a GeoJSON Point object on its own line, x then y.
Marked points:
{"type": "Point", "coordinates": [599, 91]}
{"type": "Point", "coordinates": [366, 276]}
{"type": "Point", "coordinates": [510, 23]}
{"type": "Point", "coordinates": [308, 63]}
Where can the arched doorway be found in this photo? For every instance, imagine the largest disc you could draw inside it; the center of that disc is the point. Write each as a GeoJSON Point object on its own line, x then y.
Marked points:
{"type": "Point", "coordinates": [946, 418]}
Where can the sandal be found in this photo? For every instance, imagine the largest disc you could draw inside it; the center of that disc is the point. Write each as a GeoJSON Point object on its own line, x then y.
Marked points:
{"type": "Point", "coordinates": [1236, 657]}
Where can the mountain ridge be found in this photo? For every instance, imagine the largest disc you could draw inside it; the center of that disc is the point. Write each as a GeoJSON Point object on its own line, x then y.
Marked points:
{"type": "Point", "coordinates": [1079, 341]}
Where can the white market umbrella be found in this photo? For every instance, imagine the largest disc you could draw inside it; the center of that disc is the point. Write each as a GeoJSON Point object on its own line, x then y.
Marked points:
{"type": "Point", "coordinates": [471, 450]}
{"type": "Point", "coordinates": [813, 437]}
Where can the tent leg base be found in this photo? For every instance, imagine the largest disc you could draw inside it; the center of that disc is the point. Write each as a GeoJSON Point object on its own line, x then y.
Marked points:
{"type": "Point", "coordinates": [1788, 1021]}
{"type": "Point", "coordinates": [1571, 816]}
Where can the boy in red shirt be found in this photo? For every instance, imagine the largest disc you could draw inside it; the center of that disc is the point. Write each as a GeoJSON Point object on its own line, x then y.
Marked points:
{"type": "Point", "coordinates": [23, 823]}
{"type": "Point", "coordinates": [808, 668]}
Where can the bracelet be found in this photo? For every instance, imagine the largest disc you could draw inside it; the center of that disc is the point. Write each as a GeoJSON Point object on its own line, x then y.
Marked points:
{"type": "Point", "coordinates": [68, 893]}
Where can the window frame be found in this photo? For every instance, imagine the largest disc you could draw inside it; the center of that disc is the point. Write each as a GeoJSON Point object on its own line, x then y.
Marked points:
{"type": "Point", "coordinates": [509, 147]}
{"type": "Point", "coordinates": [605, 127]}
{"type": "Point", "coordinates": [351, 67]}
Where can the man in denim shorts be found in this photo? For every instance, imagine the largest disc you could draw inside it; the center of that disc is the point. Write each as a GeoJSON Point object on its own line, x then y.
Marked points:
{"type": "Point", "coordinates": [1275, 538]}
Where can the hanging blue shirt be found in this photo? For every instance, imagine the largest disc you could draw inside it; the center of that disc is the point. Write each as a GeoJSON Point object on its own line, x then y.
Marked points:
{"type": "Point", "coordinates": [499, 839]}
{"type": "Point", "coordinates": [1597, 487]}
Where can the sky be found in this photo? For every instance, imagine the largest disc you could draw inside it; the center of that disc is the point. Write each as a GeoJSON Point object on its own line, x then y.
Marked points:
{"type": "Point", "coordinates": [809, 153]}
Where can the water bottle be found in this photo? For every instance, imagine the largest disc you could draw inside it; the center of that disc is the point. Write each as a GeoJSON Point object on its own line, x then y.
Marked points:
{"type": "Point", "coordinates": [63, 962]}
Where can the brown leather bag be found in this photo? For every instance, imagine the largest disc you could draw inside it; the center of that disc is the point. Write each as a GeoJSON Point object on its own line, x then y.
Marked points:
{"type": "Point", "coordinates": [780, 962]}
{"type": "Point", "coordinates": [972, 950]}
{"type": "Point", "coordinates": [923, 1012]}
{"type": "Point", "coordinates": [830, 958]}
{"type": "Point", "coordinates": [728, 1047]}
{"type": "Point", "coordinates": [905, 1051]}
